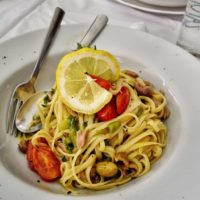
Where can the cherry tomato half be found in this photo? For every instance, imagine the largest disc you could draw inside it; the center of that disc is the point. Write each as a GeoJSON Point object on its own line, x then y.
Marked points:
{"type": "Point", "coordinates": [29, 155]}
{"type": "Point", "coordinates": [48, 165]}
{"type": "Point", "coordinates": [108, 112]}
{"type": "Point", "coordinates": [42, 160]}
{"type": "Point", "coordinates": [122, 100]}
{"type": "Point", "coordinates": [102, 82]}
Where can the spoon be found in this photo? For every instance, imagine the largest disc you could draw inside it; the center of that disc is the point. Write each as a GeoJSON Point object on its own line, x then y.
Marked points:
{"type": "Point", "coordinates": [27, 111]}
{"type": "Point", "coordinates": [29, 108]}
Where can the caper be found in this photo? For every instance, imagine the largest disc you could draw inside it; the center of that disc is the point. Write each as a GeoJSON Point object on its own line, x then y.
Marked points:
{"type": "Point", "coordinates": [106, 168]}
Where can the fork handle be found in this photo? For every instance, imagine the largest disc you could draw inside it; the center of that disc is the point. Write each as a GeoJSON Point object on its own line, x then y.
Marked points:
{"type": "Point", "coordinates": [94, 30]}
{"type": "Point", "coordinates": [53, 28]}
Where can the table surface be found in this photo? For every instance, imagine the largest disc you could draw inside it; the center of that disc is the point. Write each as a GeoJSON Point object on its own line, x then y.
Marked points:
{"type": "Point", "coordinates": [21, 16]}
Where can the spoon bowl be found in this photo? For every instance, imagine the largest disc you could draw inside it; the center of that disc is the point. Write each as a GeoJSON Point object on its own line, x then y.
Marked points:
{"type": "Point", "coordinates": [27, 111]}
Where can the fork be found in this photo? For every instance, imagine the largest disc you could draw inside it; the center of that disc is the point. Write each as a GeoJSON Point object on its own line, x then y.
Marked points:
{"type": "Point", "coordinates": [25, 89]}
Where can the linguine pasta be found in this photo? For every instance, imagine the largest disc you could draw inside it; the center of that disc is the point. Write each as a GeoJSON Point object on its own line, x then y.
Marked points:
{"type": "Point", "coordinates": [111, 153]}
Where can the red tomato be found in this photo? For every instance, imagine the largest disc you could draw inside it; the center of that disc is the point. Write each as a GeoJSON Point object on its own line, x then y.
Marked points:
{"type": "Point", "coordinates": [42, 160]}
{"type": "Point", "coordinates": [102, 82]}
{"type": "Point", "coordinates": [108, 112]}
{"type": "Point", "coordinates": [122, 100]}
{"type": "Point", "coordinates": [29, 155]}
{"type": "Point", "coordinates": [35, 160]}
{"type": "Point", "coordinates": [42, 140]}
{"type": "Point", "coordinates": [48, 165]}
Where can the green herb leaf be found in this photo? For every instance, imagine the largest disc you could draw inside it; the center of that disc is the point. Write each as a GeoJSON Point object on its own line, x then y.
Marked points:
{"type": "Point", "coordinates": [52, 91]}
{"type": "Point", "coordinates": [69, 144]}
{"type": "Point", "coordinates": [64, 159]}
{"type": "Point", "coordinates": [72, 122]}
{"type": "Point", "coordinates": [85, 124]}
{"type": "Point", "coordinates": [79, 46]}
{"type": "Point", "coordinates": [46, 100]}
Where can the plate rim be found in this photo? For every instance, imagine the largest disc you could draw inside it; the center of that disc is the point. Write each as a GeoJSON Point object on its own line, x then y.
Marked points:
{"type": "Point", "coordinates": [155, 37]}
{"type": "Point", "coordinates": [156, 10]}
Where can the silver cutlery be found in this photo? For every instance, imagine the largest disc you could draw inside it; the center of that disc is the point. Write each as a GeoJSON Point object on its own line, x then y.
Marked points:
{"type": "Point", "coordinates": [25, 89]}
{"type": "Point", "coordinates": [29, 107]}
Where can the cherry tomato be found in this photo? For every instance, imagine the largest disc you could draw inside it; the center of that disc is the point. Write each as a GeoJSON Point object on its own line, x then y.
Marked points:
{"type": "Point", "coordinates": [42, 160]}
{"type": "Point", "coordinates": [42, 140]}
{"type": "Point", "coordinates": [48, 166]}
{"type": "Point", "coordinates": [29, 155]}
{"type": "Point", "coordinates": [35, 160]}
{"type": "Point", "coordinates": [122, 100]}
{"type": "Point", "coordinates": [108, 112]}
{"type": "Point", "coordinates": [102, 82]}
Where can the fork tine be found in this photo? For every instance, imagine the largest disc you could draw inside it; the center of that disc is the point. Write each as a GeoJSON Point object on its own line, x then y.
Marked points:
{"type": "Point", "coordinates": [14, 130]}
{"type": "Point", "coordinates": [13, 126]}
{"type": "Point", "coordinates": [10, 112]}
{"type": "Point", "coordinates": [15, 107]}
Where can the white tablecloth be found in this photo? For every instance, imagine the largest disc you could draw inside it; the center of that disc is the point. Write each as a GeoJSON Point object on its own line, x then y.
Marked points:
{"type": "Point", "coordinates": [21, 16]}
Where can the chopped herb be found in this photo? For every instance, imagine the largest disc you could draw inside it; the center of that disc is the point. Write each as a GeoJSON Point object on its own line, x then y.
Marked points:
{"type": "Point", "coordinates": [70, 147]}
{"type": "Point", "coordinates": [72, 136]}
{"type": "Point", "coordinates": [69, 144]}
{"type": "Point", "coordinates": [79, 46]}
{"type": "Point", "coordinates": [73, 129]}
{"type": "Point", "coordinates": [46, 99]}
{"type": "Point", "coordinates": [52, 91]}
{"type": "Point", "coordinates": [72, 122]}
{"type": "Point", "coordinates": [36, 117]}
{"type": "Point", "coordinates": [64, 159]}
{"type": "Point", "coordinates": [85, 124]}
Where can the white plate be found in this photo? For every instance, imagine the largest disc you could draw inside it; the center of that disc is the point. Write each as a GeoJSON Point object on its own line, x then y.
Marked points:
{"type": "Point", "coordinates": [167, 3]}
{"type": "Point", "coordinates": [175, 176]}
{"type": "Point", "coordinates": [152, 8]}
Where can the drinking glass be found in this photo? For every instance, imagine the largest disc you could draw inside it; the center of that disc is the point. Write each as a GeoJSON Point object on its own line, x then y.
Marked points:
{"type": "Point", "coordinates": [189, 36]}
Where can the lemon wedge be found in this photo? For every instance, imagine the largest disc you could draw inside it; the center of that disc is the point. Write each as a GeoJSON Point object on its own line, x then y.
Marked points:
{"type": "Point", "coordinates": [77, 89]}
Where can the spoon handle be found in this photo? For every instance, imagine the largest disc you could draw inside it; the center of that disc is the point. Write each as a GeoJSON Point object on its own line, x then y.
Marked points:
{"type": "Point", "coordinates": [94, 30]}
{"type": "Point", "coordinates": [51, 33]}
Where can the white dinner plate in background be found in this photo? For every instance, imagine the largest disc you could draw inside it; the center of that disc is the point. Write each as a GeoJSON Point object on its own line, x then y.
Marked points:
{"type": "Point", "coordinates": [167, 3]}
{"type": "Point", "coordinates": [175, 176]}
{"type": "Point", "coordinates": [152, 8]}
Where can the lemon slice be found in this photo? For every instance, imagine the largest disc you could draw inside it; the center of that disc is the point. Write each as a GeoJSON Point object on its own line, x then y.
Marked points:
{"type": "Point", "coordinates": [78, 90]}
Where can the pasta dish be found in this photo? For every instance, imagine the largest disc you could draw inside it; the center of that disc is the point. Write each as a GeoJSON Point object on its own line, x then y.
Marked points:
{"type": "Point", "coordinates": [108, 147]}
